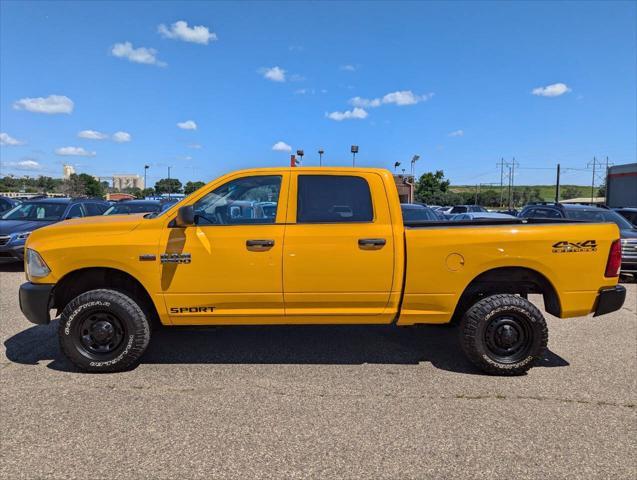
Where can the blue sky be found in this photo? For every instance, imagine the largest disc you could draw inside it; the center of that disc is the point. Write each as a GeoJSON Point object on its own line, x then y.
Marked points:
{"type": "Point", "coordinates": [452, 82]}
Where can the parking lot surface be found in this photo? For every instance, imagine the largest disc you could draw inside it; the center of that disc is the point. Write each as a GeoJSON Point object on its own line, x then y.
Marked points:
{"type": "Point", "coordinates": [347, 402]}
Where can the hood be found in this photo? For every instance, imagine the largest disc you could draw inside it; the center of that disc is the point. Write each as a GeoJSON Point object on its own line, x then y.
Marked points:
{"type": "Point", "coordinates": [98, 225]}
{"type": "Point", "coordinates": [626, 233]}
{"type": "Point", "coordinates": [7, 227]}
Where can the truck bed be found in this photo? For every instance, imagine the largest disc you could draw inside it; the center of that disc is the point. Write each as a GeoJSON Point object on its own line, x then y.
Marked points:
{"type": "Point", "coordinates": [570, 256]}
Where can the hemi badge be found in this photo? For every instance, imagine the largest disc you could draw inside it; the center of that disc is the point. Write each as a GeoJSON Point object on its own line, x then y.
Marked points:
{"type": "Point", "coordinates": [147, 258]}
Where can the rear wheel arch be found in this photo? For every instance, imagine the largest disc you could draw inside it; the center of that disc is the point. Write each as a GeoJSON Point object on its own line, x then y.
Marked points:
{"type": "Point", "coordinates": [508, 280]}
{"type": "Point", "coordinates": [83, 280]}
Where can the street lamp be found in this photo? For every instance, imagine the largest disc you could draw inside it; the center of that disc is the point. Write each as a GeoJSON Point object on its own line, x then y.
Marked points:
{"type": "Point", "coordinates": [300, 154]}
{"type": "Point", "coordinates": [321, 152]}
{"type": "Point", "coordinates": [414, 159]}
{"type": "Point", "coordinates": [396, 165]}
{"type": "Point", "coordinates": [146, 167]}
{"type": "Point", "coordinates": [354, 150]}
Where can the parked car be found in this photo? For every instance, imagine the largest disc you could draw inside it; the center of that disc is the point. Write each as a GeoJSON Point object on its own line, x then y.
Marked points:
{"type": "Point", "coordinates": [416, 211]}
{"type": "Point", "coordinates": [628, 213]}
{"type": "Point", "coordinates": [337, 251]}
{"type": "Point", "coordinates": [7, 204]}
{"type": "Point", "coordinates": [127, 207]}
{"type": "Point", "coordinates": [18, 223]}
{"type": "Point", "coordinates": [479, 216]}
{"type": "Point", "coordinates": [592, 213]}
{"type": "Point", "coordinates": [466, 209]}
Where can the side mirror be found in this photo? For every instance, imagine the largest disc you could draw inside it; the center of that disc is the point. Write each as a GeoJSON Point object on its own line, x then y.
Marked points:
{"type": "Point", "coordinates": [185, 217]}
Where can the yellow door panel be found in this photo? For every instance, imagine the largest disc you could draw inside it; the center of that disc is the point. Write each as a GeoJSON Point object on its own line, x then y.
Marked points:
{"type": "Point", "coordinates": [336, 267]}
{"type": "Point", "coordinates": [233, 270]}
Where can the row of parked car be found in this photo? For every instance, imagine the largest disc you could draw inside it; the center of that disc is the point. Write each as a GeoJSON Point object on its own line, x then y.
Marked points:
{"type": "Point", "coordinates": [624, 218]}
{"type": "Point", "coordinates": [19, 219]}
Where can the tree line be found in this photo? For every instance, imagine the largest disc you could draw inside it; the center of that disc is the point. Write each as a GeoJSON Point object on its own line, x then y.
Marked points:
{"type": "Point", "coordinates": [84, 185]}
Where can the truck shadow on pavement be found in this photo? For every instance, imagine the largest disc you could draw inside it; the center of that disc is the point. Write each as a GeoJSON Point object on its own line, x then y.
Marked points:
{"type": "Point", "coordinates": [331, 345]}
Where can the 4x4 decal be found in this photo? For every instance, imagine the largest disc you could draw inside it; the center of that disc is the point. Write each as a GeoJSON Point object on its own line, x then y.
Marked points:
{"type": "Point", "coordinates": [575, 247]}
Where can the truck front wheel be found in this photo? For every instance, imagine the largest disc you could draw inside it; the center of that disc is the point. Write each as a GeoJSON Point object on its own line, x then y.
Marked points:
{"type": "Point", "coordinates": [503, 334]}
{"type": "Point", "coordinates": [103, 331]}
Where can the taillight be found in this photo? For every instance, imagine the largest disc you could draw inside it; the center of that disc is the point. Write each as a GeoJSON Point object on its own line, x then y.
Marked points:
{"type": "Point", "coordinates": [614, 262]}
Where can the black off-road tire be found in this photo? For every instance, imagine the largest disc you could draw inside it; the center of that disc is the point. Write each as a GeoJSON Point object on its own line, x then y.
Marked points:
{"type": "Point", "coordinates": [503, 334]}
{"type": "Point", "coordinates": [103, 331]}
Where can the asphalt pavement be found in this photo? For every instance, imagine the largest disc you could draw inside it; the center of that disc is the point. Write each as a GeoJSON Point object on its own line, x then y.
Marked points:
{"type": "Point", "coordinates": [319, 402]}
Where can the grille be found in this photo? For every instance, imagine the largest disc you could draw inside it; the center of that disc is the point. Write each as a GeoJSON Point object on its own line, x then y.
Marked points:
{"type": "Point", "coordinates": [629, 249]}
{"type": "Point", "coordinates": [4, 240]}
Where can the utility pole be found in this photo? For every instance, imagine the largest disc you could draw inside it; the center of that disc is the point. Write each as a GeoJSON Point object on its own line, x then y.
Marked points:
{"type": "Point", "coordinates": [512, 182]}
{"type": "Point", "coordinates": [475, 201]}
{"type": "Point", "coordinates": [557, 185]}
{"type": "Point", "coordinates": [501, 164]}
{"type": "Point", "coordinates": [169, 185]}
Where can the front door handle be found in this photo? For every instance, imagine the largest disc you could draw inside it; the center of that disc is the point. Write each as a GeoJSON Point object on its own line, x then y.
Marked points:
{"type": "Point", "coordinates": [371, 243]}
{"type": "Point", "coordinates": [258, 244]}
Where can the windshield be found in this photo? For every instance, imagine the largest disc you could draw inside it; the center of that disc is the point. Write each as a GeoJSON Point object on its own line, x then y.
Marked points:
{"type": "Point", "coordinates": [459, 209]}
{"type": "Point", "coordinates": [127, 209]}
{"type": "Point", "coordinates": [599, 215]}
{"type": "Point", "coordinates": [411, 214]}
{"type": "Point", "coordinates": [36, 211]}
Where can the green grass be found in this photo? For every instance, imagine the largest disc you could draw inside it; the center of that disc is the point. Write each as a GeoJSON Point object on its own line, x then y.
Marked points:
{"type": "Point", "coordinates": [547, 192]}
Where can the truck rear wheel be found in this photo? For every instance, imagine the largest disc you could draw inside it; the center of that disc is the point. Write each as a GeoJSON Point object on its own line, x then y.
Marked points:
{"type": "Point", "coordinates": [103, 331]}
{"type": "Point", "coordinates": [503, 334]}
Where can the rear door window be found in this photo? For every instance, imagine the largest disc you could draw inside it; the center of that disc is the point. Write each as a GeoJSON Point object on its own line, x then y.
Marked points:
{"type": "Point", "coordinates": [333, 199]}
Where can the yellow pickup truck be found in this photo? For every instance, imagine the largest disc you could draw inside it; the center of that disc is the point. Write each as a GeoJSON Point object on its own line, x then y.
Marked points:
{"type": "Point", "coordinates": [313, 246]}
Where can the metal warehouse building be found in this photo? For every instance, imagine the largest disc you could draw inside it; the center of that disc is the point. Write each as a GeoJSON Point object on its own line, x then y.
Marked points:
{"type": "Point", "coordinates": [621, 186]}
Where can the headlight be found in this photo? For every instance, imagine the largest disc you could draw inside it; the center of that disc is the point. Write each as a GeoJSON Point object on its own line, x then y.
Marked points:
{"type": "Point", "coordinates": [21, 235]}
{"type": "Point", "coordinates": [35, 265]}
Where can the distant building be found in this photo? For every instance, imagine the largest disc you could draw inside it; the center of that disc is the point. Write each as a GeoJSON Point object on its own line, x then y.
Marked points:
{"type": "Point", "coordinates": [67, 171]}
{"type": "Point", "coordinates": [621, 185]}
{"type": "Point", "coordinates": [405, 186]}
{"type": "Point", "coordinates": [123, 181]}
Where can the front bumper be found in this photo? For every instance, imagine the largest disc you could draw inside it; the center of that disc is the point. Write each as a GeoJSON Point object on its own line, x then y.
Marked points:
{"type": "Point", "coordinates": [35, 300]}
{"type": "Point", "coordinates": [11, 253]}
{"type": "Point", "coordinates": [609, 300]}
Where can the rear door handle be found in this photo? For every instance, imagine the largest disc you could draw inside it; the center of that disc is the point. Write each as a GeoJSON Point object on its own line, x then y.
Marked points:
{"type": "Point", "coordinates": [259, 243]}
{"type": "Point", "coordinates": [371, 242]}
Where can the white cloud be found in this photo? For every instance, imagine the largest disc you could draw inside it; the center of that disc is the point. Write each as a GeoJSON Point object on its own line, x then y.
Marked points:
{"type": "Point", "coordinates": [187, 125]}
{"type": "Point", "coordinates": [195, 145]}
{"type": "Point", "coordinates": [92, 135]}
{"type": "Point", "coordinates": [50, 105]}
{"type": "Point", "coordinates": [553, 90]}
{"type": "Point", "coordinates": [356, 113]}
{"type": "Point", "coordinates": [122, 137]}
{"type": "Point", "coordinates": [144, 55]}
{"type": "Point", "coordinates": [348, 68]}
{"type": "Point", "coordinates": [281, 147]}
{"type": "Point", "coordinates": [456, 133]}
{"type": "Point", "coordinates": [276, 74]}
{"type": "Point", "coordinates": [28, 164]}
{"type": "Point", "coordinates": [24, 164]}
{"type": "Point", "coordinates": [181, 31]}
{"type": "Point", "coordinates": [400, 98]}
{"type": "Point", "coordinates": [8, 140]}
{"type": "Point", "coordinates": [74, 151]}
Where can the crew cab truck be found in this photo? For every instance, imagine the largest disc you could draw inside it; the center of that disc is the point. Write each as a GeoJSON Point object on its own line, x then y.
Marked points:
{"type": "Point", "coordinates": [331, 248]}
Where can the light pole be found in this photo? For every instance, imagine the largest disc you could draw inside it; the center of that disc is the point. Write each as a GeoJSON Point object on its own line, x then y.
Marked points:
{"type": "Point", "coordinates": [169, 185]}
{"type": "Point", "coordinates": [146, 167]}
{"type": "Point", "coordinates": [300, 153]}
{"type": "Point", "coordinates": [354, 150]}
{"type": "Point", "coordinates": [321, 152]}
{"type": "Point", "coordinates": [414, 159]}
{"type": "Point", "coordinates": [396, 165]}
